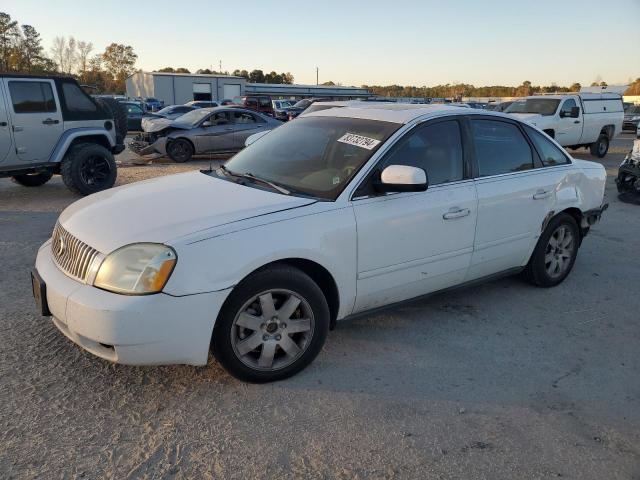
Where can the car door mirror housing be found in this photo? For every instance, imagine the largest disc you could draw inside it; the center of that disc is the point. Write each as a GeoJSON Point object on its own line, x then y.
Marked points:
{"type": "Point", "coordinates": [207, 124]}
{"type": "Point", "coordinates": [401, 178]}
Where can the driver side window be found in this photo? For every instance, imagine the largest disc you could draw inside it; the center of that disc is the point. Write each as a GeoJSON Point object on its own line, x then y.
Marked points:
{"type": "Point", "coordinates": [568, 104]}
{"type": "Point", "coordinates": [436, 148]}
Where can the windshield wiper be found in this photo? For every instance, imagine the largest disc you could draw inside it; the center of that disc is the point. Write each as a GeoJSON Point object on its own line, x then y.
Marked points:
{"type": "Point", "coordinates": [252, 177]}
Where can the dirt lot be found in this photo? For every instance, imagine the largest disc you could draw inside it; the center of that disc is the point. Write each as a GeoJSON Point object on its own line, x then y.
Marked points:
{"type": "Point", "coordinates": [498, 381]}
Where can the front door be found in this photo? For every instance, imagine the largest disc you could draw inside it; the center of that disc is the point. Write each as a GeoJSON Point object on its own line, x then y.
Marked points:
{"type": "Point", "coordinates": [245, 125]}
{"type": "Point", "coordinates": [36, 117]}
{"type": "Point", "coordinates": [570, 129]}
{"type": "Point", "coordinates": [216, 134]}
{"type": "Point", "coordinates": [5, 127]}
{"type": "Point", "coordinates": [410, 244]}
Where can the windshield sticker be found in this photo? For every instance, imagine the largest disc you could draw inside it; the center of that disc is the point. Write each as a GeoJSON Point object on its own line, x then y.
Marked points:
{"type": "Point", "coordinates": [336, 180]}
{"type": "Point", "coordinates": [359, 141]}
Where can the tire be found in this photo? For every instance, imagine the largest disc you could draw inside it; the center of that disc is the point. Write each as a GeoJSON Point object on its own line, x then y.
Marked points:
{"type": "Point", "coordinates": [540, 270]}
{"type": "Point", "coordinates": [600, 147]}
{"type": "Point", "coordinates": [180, 150]}
{"type": "Point", "coordinates": [32, 179]}
{"type": "Point", "coordinates": [119, 114]}
{"type": "Point", "coordinates": [88, 168]}
{"type": "Point", "coordinates": [242, 318]}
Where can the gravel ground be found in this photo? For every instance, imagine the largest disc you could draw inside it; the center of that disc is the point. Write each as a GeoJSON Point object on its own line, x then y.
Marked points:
{"type": "Point", "coordinates": [497, 381]}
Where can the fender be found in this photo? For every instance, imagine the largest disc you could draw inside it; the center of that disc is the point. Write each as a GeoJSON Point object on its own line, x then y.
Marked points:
{"type": "Point", "coordinates": [70, 135]}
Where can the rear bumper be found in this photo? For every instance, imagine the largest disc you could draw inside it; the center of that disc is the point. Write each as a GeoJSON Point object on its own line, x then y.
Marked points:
{"type": "Point", "coordinates": [134, 330]}
{"type": "Point", "coordinates": [591, 217]}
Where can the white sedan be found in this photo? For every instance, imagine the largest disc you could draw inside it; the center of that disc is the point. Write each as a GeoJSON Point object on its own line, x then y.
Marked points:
{"type": "Point", "coordinates": [342, 211]}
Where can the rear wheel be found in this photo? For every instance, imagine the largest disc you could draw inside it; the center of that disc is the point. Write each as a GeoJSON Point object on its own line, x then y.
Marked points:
{"type": "Point", "coordinates": [272, 326]}
{"type": "Point", "coordinates": [88, 168]}
{"type": "Point", "coordinates": [32, 179]}
{"type": "Point", "coordinates": [555, 253]}
{"type": "Point", "coordinates": [180, 150]}
{"type": "Point", "coordinates": [600, 147]}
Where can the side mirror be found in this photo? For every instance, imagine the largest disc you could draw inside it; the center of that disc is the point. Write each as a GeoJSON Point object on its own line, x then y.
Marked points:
{"type": "Point", "coordinates": [207, 123]}
{"type": "Point", "coordinates": [575, 112]}
{"type": "Point", "coordinates": [402, 178]}
{"type": "Point", "coordinates": [255, 137]}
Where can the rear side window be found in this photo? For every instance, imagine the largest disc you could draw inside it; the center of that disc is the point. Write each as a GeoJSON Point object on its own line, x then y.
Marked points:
{"type": "Point", "coordinates": [76, 100]}
{"type": "Point", "coordinates": [549, 153]}
{"type": "Point", "coordinates": [32, 97]}
{"type": "Point", "coordinates": [243, 117]}
{"type": "Point", "coordinates": [500, 148]}
{"type": "Point", "coordinates": [265, 102]}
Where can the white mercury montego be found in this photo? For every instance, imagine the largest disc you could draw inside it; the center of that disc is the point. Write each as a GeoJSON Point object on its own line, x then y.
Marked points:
{"type": "Point", "coordinates": [330, 215]}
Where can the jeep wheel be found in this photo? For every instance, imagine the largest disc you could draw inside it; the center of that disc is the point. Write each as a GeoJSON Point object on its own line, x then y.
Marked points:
{"type": "Point", "coordinates": [600, 147]}
{"type": "Point", "coordinates": [272, 325]}
{"type": "Point", "coordinates": [88, 168]}
{"type": "Point", "coordinates": [180, 150]}
{"type": "Point", "coordinates": [118, 112]}
{"type": "Point", "coordinates": [32, 179]}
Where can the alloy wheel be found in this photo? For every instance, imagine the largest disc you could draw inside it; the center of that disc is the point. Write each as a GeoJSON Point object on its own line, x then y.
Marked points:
{"type": "Point", "coordinates": [95, 171]}
{"type": "Point", "coordinates": [559, 251]}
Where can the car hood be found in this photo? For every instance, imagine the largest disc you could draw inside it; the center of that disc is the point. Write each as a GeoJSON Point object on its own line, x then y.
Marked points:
{"type": "Point", "coordinates": [532, 118]}
{"type": "Point", "coordinates": [151, 124]}
{"type": "Point", "coordinates": [164, 209]}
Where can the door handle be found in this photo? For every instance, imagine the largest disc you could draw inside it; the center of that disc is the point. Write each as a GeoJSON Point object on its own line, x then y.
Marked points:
{"type": "Point", "coordinates": [456, 212]}
{"type": "Point", "coordinates": [17, 128]}
{"type": "Point", "coordinates": [576, 121]}
{"type": "Point", "coordinates": [540, 194]}
{"type": "Point", "coordinates": [3, 124]}
{"type": "Point", "coordinates": [50, 121]}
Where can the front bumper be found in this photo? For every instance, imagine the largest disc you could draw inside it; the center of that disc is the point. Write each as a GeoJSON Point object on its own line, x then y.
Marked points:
{"type": "Point", "coordinates": [134, 330]}
{"type": "Point", "coordinates": [145, 145]}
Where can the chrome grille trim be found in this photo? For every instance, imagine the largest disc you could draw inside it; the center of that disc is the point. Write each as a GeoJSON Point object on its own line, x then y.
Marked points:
{"type": "Point", "coordinates": [71, 255]}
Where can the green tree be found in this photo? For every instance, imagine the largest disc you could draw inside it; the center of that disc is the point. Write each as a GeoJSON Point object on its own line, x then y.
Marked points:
{"type": "Point", "coordinates": [9, 36]}
{"type": "Point", "coordinates": [119, 61]}
{"type": "Point", "coordinates": [30, 49]}
{"type": "Point", "coordinates": [256, 76]}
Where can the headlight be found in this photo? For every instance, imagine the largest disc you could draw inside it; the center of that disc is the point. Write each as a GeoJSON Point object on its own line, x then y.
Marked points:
{"type": "Point", "coordinates": [136, 269]}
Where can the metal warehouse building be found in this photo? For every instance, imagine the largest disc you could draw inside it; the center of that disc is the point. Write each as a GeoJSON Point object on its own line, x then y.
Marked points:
{"type": "Point", "coordinates": [178, 88]}
{"type": "Point", "coordinates": [308, 91]}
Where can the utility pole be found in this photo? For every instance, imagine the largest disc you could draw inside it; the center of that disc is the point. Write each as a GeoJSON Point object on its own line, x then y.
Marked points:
{"type": "Point", "coordinates": [220, 66]}
{"type": "Point", "coordinates": [317, 82]}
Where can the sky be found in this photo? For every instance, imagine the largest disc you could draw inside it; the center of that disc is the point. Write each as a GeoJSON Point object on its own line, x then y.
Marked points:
{"type": "Point", "coordinates": [483, 42]}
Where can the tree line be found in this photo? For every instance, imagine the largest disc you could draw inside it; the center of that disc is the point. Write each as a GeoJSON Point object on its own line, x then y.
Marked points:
{"type": "Point", "coordinates": [254, 76]}
{"type": "Point", "coordinates": [21, 51]}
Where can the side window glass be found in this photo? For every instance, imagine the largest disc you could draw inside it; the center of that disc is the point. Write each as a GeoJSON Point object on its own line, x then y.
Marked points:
{"type": "Point", "coordinates": [567, 106]}
{"type": "Point", "coordinates": [549, 153]}
{"type": "Point", "coordinates": [435, 148]}
{"type": "Point", "coordinates": [76, 100]}
{"type": "Point", "coordinates": [32, 97]}
{"type": "Point", "coordinates": [500, 148]}
{"type": "Point", "coordinates": [242, 117]}
{"type": "Point", "coordinates": [265, 102]}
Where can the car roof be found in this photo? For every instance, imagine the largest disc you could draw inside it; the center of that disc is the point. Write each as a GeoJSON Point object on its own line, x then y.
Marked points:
{"type": "Point", "coordinates": [398, 113]}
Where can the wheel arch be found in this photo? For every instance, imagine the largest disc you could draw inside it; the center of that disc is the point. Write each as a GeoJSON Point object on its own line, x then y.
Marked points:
{"type": "Point", "coordinates": [80, 135]}
{"type": "Point", "coordinates": [186, 139]}
{"type": "Point", "coordinates": [318, 273]}
{"type": "Point", "coordinates": [609, 131]}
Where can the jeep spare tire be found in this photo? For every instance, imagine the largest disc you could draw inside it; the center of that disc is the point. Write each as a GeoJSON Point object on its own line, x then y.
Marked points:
{"type": "Point", "coordinates": [88, 168]}
{"type": "Point", "coordinates": [116, 111]}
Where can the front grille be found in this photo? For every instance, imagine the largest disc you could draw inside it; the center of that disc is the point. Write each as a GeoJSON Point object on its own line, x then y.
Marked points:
{"type": "Point", "coordinates": [71, 255]}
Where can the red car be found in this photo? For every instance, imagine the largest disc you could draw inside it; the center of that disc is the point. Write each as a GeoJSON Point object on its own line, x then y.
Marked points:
{"type": "Point", "coordinates": [259, 103]}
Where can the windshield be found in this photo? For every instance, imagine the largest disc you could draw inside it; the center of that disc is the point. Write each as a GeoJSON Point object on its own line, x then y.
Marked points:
{"type": "Point", "coordinates": [315, 156]}
{"type": "Point", "coordinates": [302, 104]}
{"type": "Point", "coordinates": [633, 110]}
{"type": "Point", "coordinates": [194, 116]}
{"type": "Point", "coordinates": [166, 110]}
{"type": "Point", "coordinates": [542, 106]}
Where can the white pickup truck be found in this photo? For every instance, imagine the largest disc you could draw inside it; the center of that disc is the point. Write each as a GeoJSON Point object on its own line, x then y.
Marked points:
{"type": "Point", "coordinates": [577, 120]}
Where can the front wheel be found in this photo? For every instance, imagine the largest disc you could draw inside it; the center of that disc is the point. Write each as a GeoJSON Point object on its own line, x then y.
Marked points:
{"type": "Point", "coordinates": [600, 147]}
{"type": "Point", "coordinates": [555, 253]}
{"type": "Point", "coordinates": [272, 326]}
{"type": "Point", "coordinates": [32, 179]}
{"type": "Point", "coordinates": [88, 168]}
{"type": "Point", "coordinates": [180, 150]}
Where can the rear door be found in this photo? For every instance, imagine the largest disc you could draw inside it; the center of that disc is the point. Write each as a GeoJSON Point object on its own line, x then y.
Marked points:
{"type": "Point", "coordinates": [36, 117]}
{"type": "Point", "coordinates": [514, 196]}
{"type": "Point", "coordinates": [246, 124]}
{"type": "Point", "coordinates": [5, 129]}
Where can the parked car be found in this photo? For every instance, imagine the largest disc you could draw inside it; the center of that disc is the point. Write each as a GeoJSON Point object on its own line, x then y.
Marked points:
{"type": "Point", "coordinates": [499, 106]}
{"type": "Point", "coordinates": [135, 114]}
{"type": "Point", "coordinates": [225, 101]}
{"type": "Point", "coordinates": [300, 106]}
{"type": "Point", "coordinates": [203, 130]}
{"type": "Point", "coordinates": [281, 109]}
{"type": "Point", "coordinates": [628, 179]}
{"type": "Point", "coordinates": [202, 104]}
{"type": "Point", "coordinates": [574, 120]}
{"type": "Point", "coordinates": [259, 103]}
{"type": "Point", "coordinates": [631, 118]}
{"type": "Point", "coordinates": [167, 113]}
{"type": "Point", "coordinates": [153, 104]}
{"type": "Point", "coordinates": [320, 219]}
{"type": "Point", "coordinates": [49, 125]}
